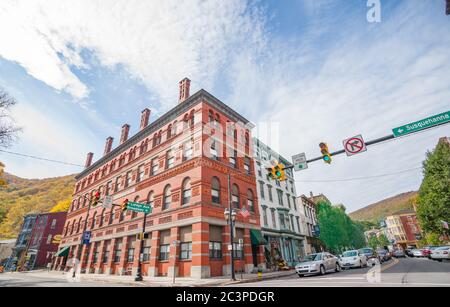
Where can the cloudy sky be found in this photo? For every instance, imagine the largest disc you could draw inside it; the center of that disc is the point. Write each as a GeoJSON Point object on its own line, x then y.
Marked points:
{"type": "Point", "coordinates": [313, 70]}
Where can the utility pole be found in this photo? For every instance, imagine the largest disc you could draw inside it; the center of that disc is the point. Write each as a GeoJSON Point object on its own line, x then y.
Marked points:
{"type": "Point", "coordinates": [231, 223]}
{"type": "Point", "coordinates": [141, 251]}
{"type": "Point", "coordinates": [80, 246]}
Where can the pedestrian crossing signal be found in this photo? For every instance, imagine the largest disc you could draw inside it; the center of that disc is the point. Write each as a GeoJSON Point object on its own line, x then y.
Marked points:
{"type": "Point", "coordinates": [124, 205]}
{"type": "Point", "coordinates": [326, 156]}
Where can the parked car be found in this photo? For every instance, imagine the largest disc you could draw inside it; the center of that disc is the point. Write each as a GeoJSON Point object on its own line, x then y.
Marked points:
{"type": "Point", "coordinates": [383, 255]}
{"type": "Point", "coordinates": [441, 253]}
{"type": "Point", "coordinates": [427, 250]}
{"type": "Point", "coordinates": [352, 259]}
{"type": "Point", "coordinates": [399, 253]}
{"type": "Point", "coordinates": [417, 253]}
{"type": "Point", "coordinates": [319, 263]}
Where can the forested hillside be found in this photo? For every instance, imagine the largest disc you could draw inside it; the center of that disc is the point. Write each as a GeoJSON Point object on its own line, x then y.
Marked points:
{"type": "Point", "coordinates": [24, 196]}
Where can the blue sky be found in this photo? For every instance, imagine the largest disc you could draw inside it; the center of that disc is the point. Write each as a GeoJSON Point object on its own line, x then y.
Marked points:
{"type": "Point", "coordinates": [314, 70]}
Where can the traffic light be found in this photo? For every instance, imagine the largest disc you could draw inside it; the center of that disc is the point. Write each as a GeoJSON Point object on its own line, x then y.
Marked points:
{"type": "Point", "coordinates": [277, 172]}
{"type": "Point", "coordinates": [326, 156]}
{"type": "Point", "coordinates": [96, 199]}
{"type": "Point", "coordinates": [124, 205]}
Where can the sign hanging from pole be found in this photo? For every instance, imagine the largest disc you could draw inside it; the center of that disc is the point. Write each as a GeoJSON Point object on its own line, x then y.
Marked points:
{"type": "Point", "coordinates": [107, 202]}
{"type": "Point", "coordinates": [429, 122]}
{"type": "Point", "coordinates": [354, 145]}
{"type": "Point", "coordinates": [299, 162]}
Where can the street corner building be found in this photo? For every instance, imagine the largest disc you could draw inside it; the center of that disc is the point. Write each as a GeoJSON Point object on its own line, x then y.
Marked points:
{"type": "Point", "coordinates": [185, 164]}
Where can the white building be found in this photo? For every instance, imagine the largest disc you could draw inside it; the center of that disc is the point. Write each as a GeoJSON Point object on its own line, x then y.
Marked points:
{"type": "Point", "coordinates": [281, 217]}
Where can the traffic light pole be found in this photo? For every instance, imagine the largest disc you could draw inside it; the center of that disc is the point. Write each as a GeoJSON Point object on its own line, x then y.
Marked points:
{"type": "Point", "coordinates": [141, 251]}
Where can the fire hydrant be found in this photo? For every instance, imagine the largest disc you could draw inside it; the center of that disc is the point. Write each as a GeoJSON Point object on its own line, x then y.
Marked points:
{"type": "Point", "coordinates": [259, 273]}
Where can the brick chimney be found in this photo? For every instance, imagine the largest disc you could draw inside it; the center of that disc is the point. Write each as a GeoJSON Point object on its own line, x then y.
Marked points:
{"type": "Point", "coordinates": [185, 85]}
{"type": "Point", "coordinates": [124, 135]}
{"type": "Point", "coordinates": [89, 158]}
{"type": "Point", "coordinates": [108, 145]}
{"type": "Point", "coordinates": [145, 116]}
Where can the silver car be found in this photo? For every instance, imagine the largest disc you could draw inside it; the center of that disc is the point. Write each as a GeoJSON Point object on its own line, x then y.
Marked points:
{"type": "Point", "coordinates": [319, 263]}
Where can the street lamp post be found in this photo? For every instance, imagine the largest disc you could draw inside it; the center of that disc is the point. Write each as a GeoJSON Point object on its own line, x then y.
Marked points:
{"type": "Point", "coordinates": [230, 216]}
{"type": "Point", "coordinates": [141, 251]}
{"type": "Point", "coordinates": [175, 244]}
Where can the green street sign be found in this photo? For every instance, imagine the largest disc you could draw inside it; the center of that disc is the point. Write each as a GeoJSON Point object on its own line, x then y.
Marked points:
{"type": "Point", "coordinates": [422, 124]}
{"type": "Point", "coordinates": [138, 207]}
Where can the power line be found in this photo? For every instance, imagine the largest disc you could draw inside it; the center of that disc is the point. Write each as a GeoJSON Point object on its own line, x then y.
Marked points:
{"type": "Point", "coordinates": [40, 158]}
{"type": "Point", "coordinates": [363, 178]}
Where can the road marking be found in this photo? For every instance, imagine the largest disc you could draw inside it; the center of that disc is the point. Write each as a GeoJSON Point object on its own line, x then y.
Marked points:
{"type": "Point", "coordinates": [395, 261]}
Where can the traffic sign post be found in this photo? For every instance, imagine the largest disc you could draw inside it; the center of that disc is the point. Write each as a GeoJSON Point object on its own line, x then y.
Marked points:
{"type": "Point", "coordinates": [429, 122]}
{"type": "Point", "coordinates": [299, 162]}
{"type": "Point", "coordinates": [354, 145]}
{"type": "Point", "coordinates": [107, 202]}
{"type": "Point", "coordinates": [138, 207]}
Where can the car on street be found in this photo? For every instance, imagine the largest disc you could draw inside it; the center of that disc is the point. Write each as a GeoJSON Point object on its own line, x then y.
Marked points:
{"type": "Point", "coordinates": [417, 253]}
{"type": "Point", "coordinates": [383, 255]}
{"type": "Point", "coordinates": [318, 263]}
{"type": "Point", "coordinates": [370, 254]}
{"type": "Point", "coordinates": [352, 259]}
{"type": "Point", "coordinates": [441, 253]}
{"type": "Point", "coordinates": [398, 253]}
{"type": "Point", "coordinates": [427, 250]}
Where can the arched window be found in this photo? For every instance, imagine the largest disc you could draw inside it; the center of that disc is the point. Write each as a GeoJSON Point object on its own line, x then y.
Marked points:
{"type": "Point", "coordinates": [217, 123]}
{"type": "Point", "coordinates": [150, 199]}
{"type": "Point", "coordinates": [167, 198]}
{"type": "Point", "coordinates": [185, 121]}
{"type": "Point", "coordinates": [250, 203]}
{"type": "Point", "coordinates": [155, 139]}
{"type": "Point", "coordinates": [186, 191]}
{"type": "Point", "coordinates": [192, 118]}
{"type": "Point", "coordinates": [170, 159]}
{"type": "Point", "coordinates": [110, 216]}
{"type": "Point", "coordinates": [174, 128]}
{"type": "Point", "coordinates": [215, 190]}
{"type": "Point", "coordinates": [101, 218]}
{"type": "Point", "coordinates": [169, 131]}
{"type": "Point", "coordinates": [210, 116]}
{"type": "Point", "coordinates": [235, 196]}
{"type": "Point", "coordinates": [159, 137]}
{"type": "Point", "coordinates": [247, 139]}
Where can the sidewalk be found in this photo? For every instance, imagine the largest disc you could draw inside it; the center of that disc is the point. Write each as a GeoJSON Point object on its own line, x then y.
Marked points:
{"type": "Point", "coordinates": [163, 281]}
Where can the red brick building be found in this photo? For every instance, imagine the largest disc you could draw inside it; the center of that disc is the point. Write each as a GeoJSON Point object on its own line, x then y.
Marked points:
{"type": "Point", "coordinates": [179, 163]}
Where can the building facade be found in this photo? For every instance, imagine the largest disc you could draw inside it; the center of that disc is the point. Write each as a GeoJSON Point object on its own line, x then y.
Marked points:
{"type": "Point", "coordinates": [6, 248]}
{"type": "Point", "coordinates": [312, 232]}
{"type": "Point", "coordinates": [180, 165]}
{"type": "Point", "coordinates": [38, 241]}
{"type": "Point", "coordinates": [281, 220]}
{"type": "Point", "coordinates": [403, 228]}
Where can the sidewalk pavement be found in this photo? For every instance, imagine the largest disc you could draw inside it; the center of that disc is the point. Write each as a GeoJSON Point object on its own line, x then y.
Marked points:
{"type": "Point", "coordinates": [162, 281]}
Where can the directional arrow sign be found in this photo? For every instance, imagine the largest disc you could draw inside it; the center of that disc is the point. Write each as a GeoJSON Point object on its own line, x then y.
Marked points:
{"type": "Point", "coordinates": [299, 162]}
{"type": "Point", "coordinates": [138, 207]}
{"type": "Point", "coordinates": [354, 145]}
{"type": "Point", "coordinates": [422, 124]}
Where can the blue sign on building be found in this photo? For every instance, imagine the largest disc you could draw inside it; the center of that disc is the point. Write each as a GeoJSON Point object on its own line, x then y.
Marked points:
{"type": "Point", "coordinates": [86, 237]}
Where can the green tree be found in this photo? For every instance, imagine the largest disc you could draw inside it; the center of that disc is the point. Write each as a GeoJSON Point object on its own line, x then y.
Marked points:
{"type": "Point", "coordinates": [373, 242]}
{"type": "Point", "coordinates": [434, 193]}
{"type": "Point", "coordinates": [383, 240]}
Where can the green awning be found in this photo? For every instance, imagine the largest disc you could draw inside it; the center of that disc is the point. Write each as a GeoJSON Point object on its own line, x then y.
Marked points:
{"type": "Point", "coordinates": [257, 238]}
{"type": "Point", "coordinates": [64, 252]}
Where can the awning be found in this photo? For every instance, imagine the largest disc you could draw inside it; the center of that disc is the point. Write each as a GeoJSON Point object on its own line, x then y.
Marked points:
{"type": "Point", "coordinates": [64, 252]}
{"type": "Point", "coordinates": [257, 238]}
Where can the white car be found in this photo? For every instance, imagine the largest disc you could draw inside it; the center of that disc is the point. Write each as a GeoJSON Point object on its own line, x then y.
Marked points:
{"type": "Point", "coordinates": [417, 253]}
{"type": "Point", "coordinates": [441, 253]}
{"type": "Point", "coordinates": [319, 263]}
{"type": "Point", "coordinates": [352, 259]}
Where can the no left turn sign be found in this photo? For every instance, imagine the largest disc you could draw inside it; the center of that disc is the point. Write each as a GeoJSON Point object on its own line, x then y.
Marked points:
{"type": "Point", "coordinates": [354, 145]}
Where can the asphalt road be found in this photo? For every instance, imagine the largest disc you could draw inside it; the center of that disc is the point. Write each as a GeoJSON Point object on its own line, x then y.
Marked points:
{"type": "Point", "coordinates": [397, 273]}
{"type": "Point", "coordinates": [27, 280]}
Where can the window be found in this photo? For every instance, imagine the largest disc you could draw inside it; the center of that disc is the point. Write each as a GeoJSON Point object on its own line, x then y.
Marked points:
{"type": "Point", "coordinates": [261, 189]}
{"type": "Point", "coordinates": [292, 186]}
{"type": "Point", "coordinates": [247, 165]}
{"type": "Point", "coordinates": [150, 199]}
{"type": "Point", "coordinates": [237, 251]}
{"type": "Point", "coordinates": [154, 168]}
{"type": "Point", "coordinates": [49, 239]}
{"type": "Point", "coordinates": [174, 128]}
{"type": "Point", "coordinates": [282, 221]}
{"type": "Point", "coordinates": [215, 190]}
{"type": "Point", "coordinates": [289, 200]}
{"type": "Point", "coordinates": [235, 196]}
{"type": "Point", "coordinates": [128, 179]}
{"type": "Point", "coordinates": [266, 224]}
{"type": "Point", "coordinates": [53, 226]}
{"type": "Point", "coordinates": [186, 191]}
{"type": "Point", "coordinates": [146, 250]}
{"type": "Point", "coordinates": [270, 192]}
{"type": "Point", "coordinates": [187, 151]}
{"type": "Point", "coordinates": [95, 257]}
{"type": "Point", "coordinates": [170, 159]}
{"type": "Point", "coordinates": [233, 159]}
{"type": "Point", "coordinates": [140, 174]}
{"type": "Point", "coordinates": [213, 151]}
{"type": "Point", "coordinates": [280, 197]}
{"type": "Point", "coordinates": [210, 116]}
{"type": "Point", "coordinates": [274, 220]}
{"type": "Point", "coordinates": [130, 253]}
{"type": "Point", "coordinates": [106, 254]}
{"type": "Point", "coordinates": [294, 201]}
{"type": "Point", "coordinates": [164, 252]}
{"type": "Point", "coordinates": [258, 166]}
{"type": "Point", "coordinates": [298, 224]}
{"type": "Point", "coordinates": [185, 250]}
{"type": "Point", "coordinates": [215, 250]}
{"type": "Point", "coordinates": [250, 204]}
{"type": "Point", "coordinates": [117, 184]}
{"type": "Point", "coordinates": [169, 131]}
{"type": "Point", "coordinates": [118, 252]}
{"type": "Point", "coordinates": [292, 222]}
{"type": "Point", "coordinates": [167, 199]}
{"type": "Point", "coordinates": [108, 188]}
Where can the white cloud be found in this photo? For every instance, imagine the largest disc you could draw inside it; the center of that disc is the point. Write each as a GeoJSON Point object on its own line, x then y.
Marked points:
{"type": "Point", "coordinates": [157, 42]}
